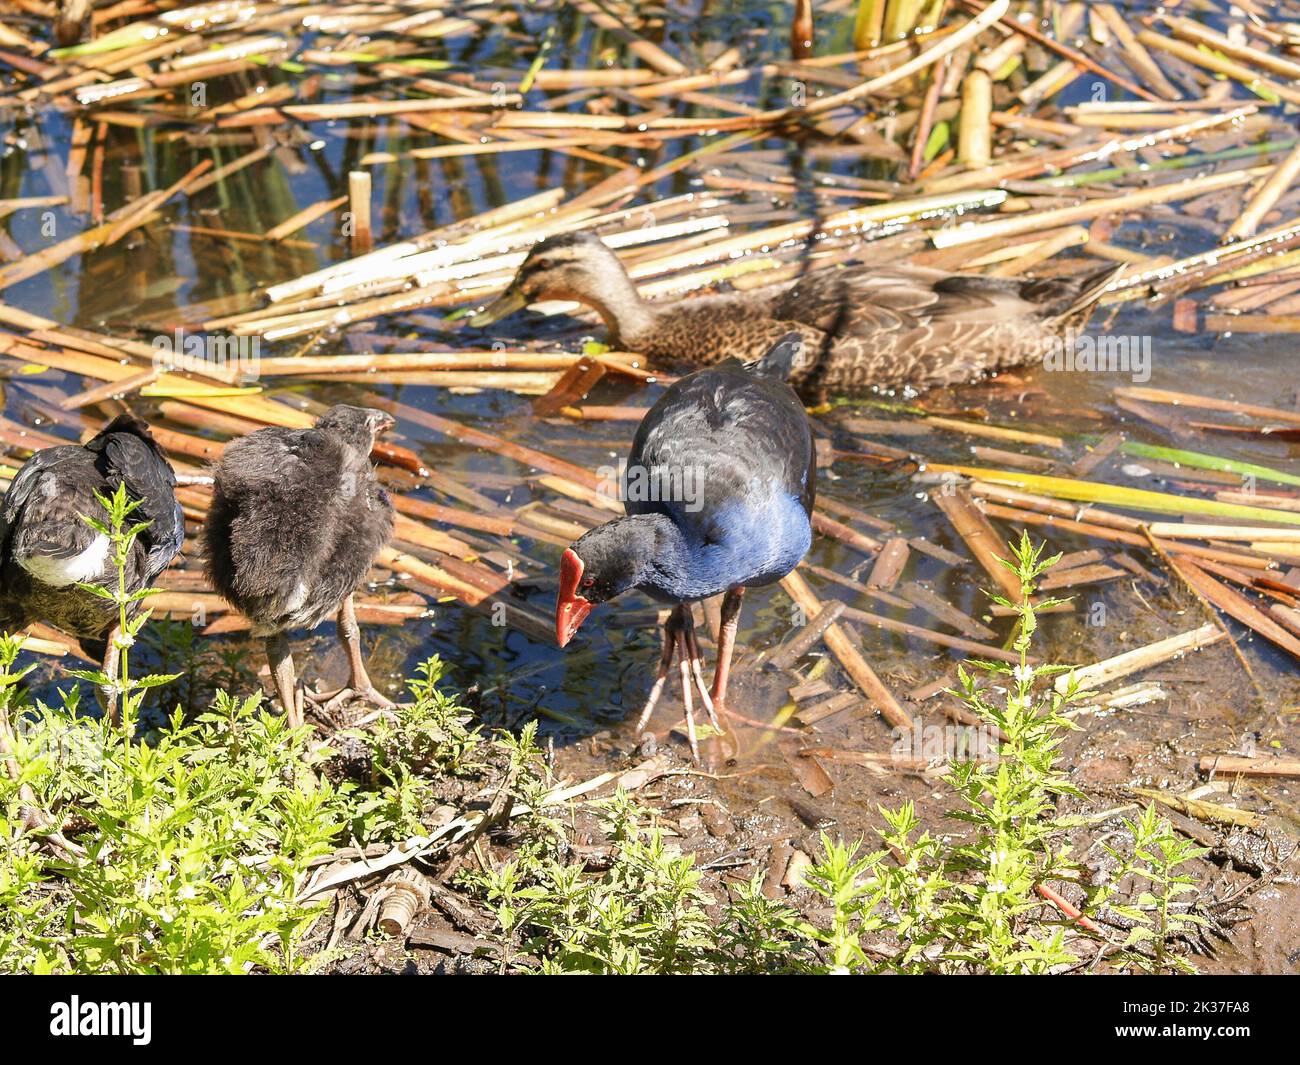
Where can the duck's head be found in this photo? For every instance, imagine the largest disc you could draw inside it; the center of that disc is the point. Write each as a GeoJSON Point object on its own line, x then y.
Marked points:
{"type": "Point", "coordinates": [357, 426]}
{"type": "Point", "coordinates": [575, 266]}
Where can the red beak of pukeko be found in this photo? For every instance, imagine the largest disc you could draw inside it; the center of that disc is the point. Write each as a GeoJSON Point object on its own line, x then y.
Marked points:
{"type": "Point", "coordinates": [571, 609]}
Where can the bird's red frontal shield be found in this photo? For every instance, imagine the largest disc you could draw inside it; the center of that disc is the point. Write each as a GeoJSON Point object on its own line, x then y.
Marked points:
{"type": "Point", "coordinates": [571, 609]}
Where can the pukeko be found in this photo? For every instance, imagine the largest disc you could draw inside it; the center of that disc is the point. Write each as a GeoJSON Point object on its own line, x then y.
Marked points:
{"type": "Point", "coordinates": [718, 490]}
{"type": "Point", "coordinates": [47, 551]}
{"type": "Point", "coordinates": [297, 518]}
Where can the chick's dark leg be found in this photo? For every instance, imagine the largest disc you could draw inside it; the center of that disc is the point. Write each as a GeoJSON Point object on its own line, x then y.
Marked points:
{"type": "Point", "coordinates": [359, 685]}
{"type": "Point", "coordinates": [350, 634]}
{"type": "Point", "coordinates": [282, 676]}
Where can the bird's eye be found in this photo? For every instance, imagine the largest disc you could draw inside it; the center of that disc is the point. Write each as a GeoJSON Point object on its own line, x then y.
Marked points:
{"type": "Point", "coordinates": [589, 582]}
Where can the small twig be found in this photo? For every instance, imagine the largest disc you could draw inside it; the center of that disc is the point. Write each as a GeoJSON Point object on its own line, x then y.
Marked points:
{"type": "Point", "coordinates": [926, 122]}
{"type": "Point", "coordinates": [498, 811]}
{"type": "Point", "coordinates": [1066, 52]}
{"type": "Point", "coordinates": [1163, 555]}
{"type": "Point", "coordinates": [1071, 911]}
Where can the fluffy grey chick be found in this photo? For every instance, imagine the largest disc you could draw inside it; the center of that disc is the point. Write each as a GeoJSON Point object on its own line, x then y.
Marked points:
{"type": "Point", "coordinates": [297, 518]}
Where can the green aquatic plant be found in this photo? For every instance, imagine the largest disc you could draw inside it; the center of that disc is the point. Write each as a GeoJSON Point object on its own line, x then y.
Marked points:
{"type": "Point", "coordinates": [976, 904]}
{"type": "Point", "coordinates": [183, 848]}
{"type": "Point", "coordinates": [124, 692]}
{"type": "Point", "coordinates": [407, 749]}
{"type": "Point", "coordinates": [646, 912]}
{"type": "Point", "coordinates": [186, 848]}
{"type": "Point", "coordinates": [1156, 914]}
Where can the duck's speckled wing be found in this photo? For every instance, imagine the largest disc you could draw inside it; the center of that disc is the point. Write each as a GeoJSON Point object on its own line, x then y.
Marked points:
{"type": "Point", "coordinates": [903, 325]}
{"type": "Point", "coordinates": [839, 300]}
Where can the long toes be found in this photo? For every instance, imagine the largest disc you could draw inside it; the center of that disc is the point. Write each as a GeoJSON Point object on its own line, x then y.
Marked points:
{"type": "Point", "coordinates": [329, 705]}
{"type": "Point", "coordinates": [376, 698]}
{"type": "Point", "coordinates": [652, 700]}
{"type": "Point", "coordinates": [687, 702]}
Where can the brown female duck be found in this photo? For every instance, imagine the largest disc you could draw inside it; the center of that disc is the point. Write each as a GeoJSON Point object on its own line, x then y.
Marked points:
{"type": "Point", "coordinates": [863, 327]}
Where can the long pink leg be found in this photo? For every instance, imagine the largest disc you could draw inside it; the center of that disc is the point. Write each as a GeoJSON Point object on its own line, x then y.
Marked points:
{"type": "Point", "coordinates": [112, 657]}
{"type": "Point", "coordinates": [359, 685]}
{"type": "Point", "coordinates": [661, 675]}
{"type": "Point", "coordinates": [350, 635]}
{"type": "Point", "coordinates": [679, 637]}
{"type": "Point", "coordinates": [683, 648]}
{"type": "Point", "coordinates": [697, 670]}
{"type": "Point", "coordinates": [726, 645]}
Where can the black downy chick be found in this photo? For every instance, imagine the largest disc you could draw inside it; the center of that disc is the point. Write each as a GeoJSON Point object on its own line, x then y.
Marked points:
{"type": "Point", "coordinates": [47, 551]}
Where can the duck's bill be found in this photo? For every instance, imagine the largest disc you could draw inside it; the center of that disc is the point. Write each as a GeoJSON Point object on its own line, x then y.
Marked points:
{"type": "Point", "coordinates": [503, 307]}
{"type": "Point", "coordinates": [571, 609]}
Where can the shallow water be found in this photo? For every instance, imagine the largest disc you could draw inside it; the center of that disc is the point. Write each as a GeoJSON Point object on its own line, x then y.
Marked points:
{"type": "Point", "coordinates": [147, 284]}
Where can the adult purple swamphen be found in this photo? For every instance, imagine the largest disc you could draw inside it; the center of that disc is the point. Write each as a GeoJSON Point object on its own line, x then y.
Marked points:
{"type": "Point", "coordinates": [297, 518]}
{"type": "Point", "coordinates": [48, 552]}
{"type": "Point", "coordinates": [733, 446]}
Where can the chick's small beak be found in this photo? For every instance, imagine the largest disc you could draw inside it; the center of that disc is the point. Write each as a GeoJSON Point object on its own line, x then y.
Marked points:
{"type": "Point", "coordinates": [383, 424]}
{"type": "Point", "coordinates": [505, 305]}
{"type": "Point", "coordinates": [571, 609]}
